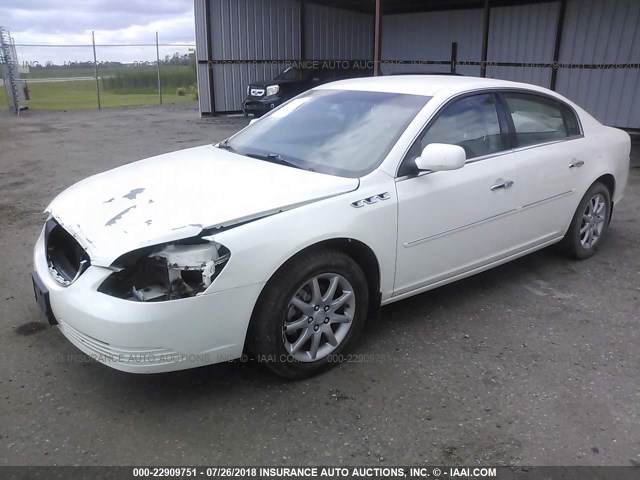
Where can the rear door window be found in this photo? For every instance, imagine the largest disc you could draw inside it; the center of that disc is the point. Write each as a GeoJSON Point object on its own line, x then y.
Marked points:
{"type": "Point", "coordinates": [539, 119]}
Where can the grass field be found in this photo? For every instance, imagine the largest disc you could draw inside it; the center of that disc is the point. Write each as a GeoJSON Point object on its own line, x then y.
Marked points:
{"type": "Point", "coordinates": [82, 94]}
{"type": "Point", "coordinates": [145, 80]}
{"type": "Point", "coordinates": [119, 87]}
{"type": "Point", "coordinates": [103, 71]}
{"type": "Point", "coordinates": [64, 73]}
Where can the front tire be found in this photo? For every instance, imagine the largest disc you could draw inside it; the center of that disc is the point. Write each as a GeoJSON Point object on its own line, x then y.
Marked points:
{"type": "Point", "coordinates": [589, 224]}
{"type": "Point", "coordinates": [309, 314]}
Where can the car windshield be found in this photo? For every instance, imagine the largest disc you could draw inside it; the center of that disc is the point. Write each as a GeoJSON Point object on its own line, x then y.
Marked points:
{"type": "Point", "coordinates": [292, 74]}
{"type": "Point", "coordinates": [338, 132]}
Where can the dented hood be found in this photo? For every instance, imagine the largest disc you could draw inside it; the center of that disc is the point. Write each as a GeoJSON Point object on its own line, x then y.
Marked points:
{"type": "Point", "coordinates": [177, 195]}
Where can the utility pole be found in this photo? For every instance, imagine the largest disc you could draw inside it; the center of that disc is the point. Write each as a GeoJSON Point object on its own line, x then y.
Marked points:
{"type": "Point", "coordinates": [158, 67]}
{"type": "Point", "coordinates": [95, 66]}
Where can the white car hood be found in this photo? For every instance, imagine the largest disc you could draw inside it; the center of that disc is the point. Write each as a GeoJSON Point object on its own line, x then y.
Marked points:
{"type": "Point", "coordinates": [177, 195]}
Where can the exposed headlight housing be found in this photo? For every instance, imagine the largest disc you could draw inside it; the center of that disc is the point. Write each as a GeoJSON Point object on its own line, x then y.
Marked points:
{"type": "Point", "coordinates": [273, 90]}
{"type": "Point", "coordinates": [66, 259]}
{"type": "Point", "coordinates": [167, 272]}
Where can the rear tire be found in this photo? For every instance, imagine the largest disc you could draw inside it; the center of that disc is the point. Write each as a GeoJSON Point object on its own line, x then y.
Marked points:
{"type": "Point", "coordinates": [589, 224]}
{"type": "Point", "coordinates": [311, 311]}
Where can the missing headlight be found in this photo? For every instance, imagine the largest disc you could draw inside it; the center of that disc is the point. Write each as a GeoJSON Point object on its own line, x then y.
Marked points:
{"type": "Point", "coordinates": [168, 272]}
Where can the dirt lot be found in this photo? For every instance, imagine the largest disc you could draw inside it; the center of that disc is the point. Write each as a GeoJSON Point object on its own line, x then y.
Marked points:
{"type": "Point", "coordinates": [532, 363]}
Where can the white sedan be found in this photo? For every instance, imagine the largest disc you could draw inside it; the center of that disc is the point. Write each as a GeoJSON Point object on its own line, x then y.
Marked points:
{"type": "Point", "coordinates": [284, 238]}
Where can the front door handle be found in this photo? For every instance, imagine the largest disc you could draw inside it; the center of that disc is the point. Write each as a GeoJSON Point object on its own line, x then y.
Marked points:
{"type": "Point", "coordinates": [576, 164]}
{"type": "Point", "coordinates": [500, 186]}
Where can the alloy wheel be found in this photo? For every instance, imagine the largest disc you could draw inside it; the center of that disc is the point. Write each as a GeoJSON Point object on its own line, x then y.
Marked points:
{"type": "Point", "coordinates": [593, 220]}
{"type": "Point", "coordinates": [318, 317]}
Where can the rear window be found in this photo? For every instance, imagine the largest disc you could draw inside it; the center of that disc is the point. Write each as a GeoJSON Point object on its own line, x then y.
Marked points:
{"type": "Point", "coordinates": [540, 119]}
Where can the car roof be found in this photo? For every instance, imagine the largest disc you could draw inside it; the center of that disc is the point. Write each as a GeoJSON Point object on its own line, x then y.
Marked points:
{"type": "Point", "coordinates": [426, 85]}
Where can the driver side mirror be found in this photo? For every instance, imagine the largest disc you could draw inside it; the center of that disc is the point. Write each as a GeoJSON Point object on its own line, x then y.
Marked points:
{"type": "Point", "coordinates": [441, 156]}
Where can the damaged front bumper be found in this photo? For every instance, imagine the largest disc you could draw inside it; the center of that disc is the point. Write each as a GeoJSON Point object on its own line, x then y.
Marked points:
{"type": "Point", "coordinates": [148, 336]}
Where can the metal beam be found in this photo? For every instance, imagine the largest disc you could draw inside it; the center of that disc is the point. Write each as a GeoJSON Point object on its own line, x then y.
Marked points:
{"type": "Point", "coordinates": [556, 48]}
{"type": "Point", "coordinates": [376, 38]}
{"type": "Point", "coordinates": [415, 6]}
{"type": "Point", "coordinates": [303, 41]}
{"type": "Point", "coordinates": [454, 56]}
{"type": "Point", "coordinates": [207, 14]}
{"type": "Point", "coordinates": [485, 37]}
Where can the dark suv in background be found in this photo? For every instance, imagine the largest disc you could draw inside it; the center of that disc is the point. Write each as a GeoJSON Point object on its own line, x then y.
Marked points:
{"type": "Point", "coordinates": [267, 95]}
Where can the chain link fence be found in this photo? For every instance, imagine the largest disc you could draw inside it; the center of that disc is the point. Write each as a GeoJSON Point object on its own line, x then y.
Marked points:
{"type": "Point", "coordinates": [100, 75]}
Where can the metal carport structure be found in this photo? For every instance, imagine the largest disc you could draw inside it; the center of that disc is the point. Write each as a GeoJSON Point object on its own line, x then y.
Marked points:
{"type": "Point", "coordinates": [587, 50]}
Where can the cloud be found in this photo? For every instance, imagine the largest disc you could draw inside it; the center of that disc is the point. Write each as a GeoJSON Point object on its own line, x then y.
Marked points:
{"type": "Point", "coordinates": [76, 16]}
{"type": "Point", "coordinates": [114, 22]}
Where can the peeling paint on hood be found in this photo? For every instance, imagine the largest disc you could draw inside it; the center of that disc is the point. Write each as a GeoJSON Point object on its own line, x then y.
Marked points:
{"type": "Point", "coordinates": [177, 195]}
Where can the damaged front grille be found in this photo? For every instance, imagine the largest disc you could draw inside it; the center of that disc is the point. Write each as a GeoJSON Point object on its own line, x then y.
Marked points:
{"type": "Point", "coordinates": [66, 259]}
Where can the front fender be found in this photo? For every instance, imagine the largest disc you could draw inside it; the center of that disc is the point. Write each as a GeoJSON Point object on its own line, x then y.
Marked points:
{"type": "Point", "coordinates": [260, 248]}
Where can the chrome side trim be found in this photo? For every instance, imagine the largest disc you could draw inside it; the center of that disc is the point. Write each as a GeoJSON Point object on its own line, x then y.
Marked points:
{"type": "Point", "coordinates": [402, 294]}
{"type": "Point", "coordinates": [488, 219]}
{"type": "Point", "coordinates": [458, 229]}
{"type": "Point", "coordinates": [549, 199]}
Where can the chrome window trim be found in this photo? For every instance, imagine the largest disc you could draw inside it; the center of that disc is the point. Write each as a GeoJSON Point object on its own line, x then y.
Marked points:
{"type": "Point", "coordinates": [488, 156]}
{"type": "Point", "coordinates": [496, 91]}
{"type": "Point", "coordinates": [473, 160]}
{"type": "Point", "coordinates": [553, 142]}
{"type": "Point", "coordinates": [496, 154]}
{"type": "Point", "coordinates": [445, 104]}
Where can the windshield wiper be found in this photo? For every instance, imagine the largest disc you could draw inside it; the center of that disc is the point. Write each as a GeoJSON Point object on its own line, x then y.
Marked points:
{"type": "Point", "coordinates": [275, 158]}
{"type": "Point", "coordinates": [225, 146]}
{"type": "Point", "coordinates": [270, 157]}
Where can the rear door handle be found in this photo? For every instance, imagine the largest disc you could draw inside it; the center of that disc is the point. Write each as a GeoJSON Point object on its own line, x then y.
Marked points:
{"type": "Point", "coordinates": [500, 186]}
{"type": "Point", "coordinates": [576, 164]}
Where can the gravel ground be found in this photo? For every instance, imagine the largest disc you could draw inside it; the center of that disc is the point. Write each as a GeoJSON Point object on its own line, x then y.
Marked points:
{"type": "Point", "coordinates": [531, 363]}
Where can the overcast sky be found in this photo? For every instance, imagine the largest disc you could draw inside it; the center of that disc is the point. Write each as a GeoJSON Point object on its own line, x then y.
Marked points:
{"type": "Point", "coordinates": [114, 22]}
